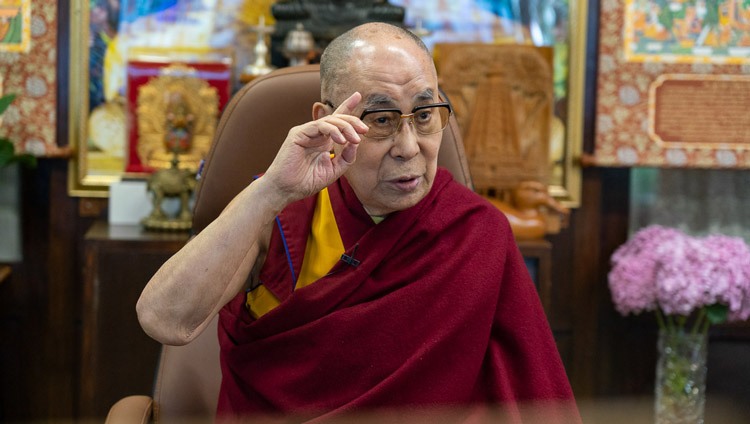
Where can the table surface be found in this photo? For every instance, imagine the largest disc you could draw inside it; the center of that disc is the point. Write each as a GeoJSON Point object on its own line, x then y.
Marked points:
{"type": "Point", "coordinates": [101, 230]}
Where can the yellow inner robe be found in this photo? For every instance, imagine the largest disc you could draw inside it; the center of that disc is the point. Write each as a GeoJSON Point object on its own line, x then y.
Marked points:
{"type": "Point", "coordinates": [324, 248]}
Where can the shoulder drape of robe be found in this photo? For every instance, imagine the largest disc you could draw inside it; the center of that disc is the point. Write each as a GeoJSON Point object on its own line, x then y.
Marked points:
{"type": "Point", "coordinates": [440, 311]}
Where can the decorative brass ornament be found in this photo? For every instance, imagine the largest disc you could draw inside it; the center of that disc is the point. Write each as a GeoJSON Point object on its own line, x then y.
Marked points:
{"type": "Point", "coordinates": [298, 45]}
{"type": "Point", "coordinates": [260, 66]}
{"type": "Point", "coordinates": [172, 182]}
{"type": "Point", "coordinates": [176, 107]}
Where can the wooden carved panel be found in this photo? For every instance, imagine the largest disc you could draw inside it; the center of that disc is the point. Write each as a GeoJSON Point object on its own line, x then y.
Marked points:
{"type": "Point", "coordinates": [503, 98]}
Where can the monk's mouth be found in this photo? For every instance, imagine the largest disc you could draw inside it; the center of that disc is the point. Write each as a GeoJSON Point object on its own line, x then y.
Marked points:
{"type": "Point", "coordinates": [407, 183]}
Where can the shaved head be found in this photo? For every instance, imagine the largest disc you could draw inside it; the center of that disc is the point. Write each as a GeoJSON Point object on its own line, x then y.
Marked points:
{"type": "Point", "coordinates": [335, 61]}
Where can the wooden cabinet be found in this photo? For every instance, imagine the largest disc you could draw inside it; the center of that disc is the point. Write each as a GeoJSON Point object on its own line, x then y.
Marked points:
{"type": "Point", "coordinates": [117, 358]}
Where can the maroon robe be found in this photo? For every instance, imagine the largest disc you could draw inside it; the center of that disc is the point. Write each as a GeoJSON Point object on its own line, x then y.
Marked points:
{"type": "Point", "coordinates": [440, 311]}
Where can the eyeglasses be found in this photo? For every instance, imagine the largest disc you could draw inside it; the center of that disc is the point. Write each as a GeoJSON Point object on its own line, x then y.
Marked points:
{"type": "Point", "coordinates": [426, 120]}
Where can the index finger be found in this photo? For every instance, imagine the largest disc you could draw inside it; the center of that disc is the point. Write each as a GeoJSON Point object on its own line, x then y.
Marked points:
{"type": "Point", "coordinates": [348, 105]}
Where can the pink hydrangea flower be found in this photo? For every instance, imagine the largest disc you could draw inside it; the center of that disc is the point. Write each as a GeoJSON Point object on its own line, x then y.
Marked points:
{"type": "Point", "coordinates": [664, 268]}
{"type": "Point", "coordinates": [635, 264]}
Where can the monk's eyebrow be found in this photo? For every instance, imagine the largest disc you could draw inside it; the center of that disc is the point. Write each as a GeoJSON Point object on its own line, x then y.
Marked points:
{"type": "Point", "coordinates": [424, 96]}
{"type": "Point", "coordinates": [378, 101]}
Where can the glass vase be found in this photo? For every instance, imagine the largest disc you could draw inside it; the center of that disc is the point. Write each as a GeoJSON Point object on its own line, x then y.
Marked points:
{"type": "Point", "coordinates": [681, 378]}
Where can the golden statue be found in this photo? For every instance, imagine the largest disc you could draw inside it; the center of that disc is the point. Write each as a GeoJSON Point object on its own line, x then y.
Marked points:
{"type": "Point", "coordinates": [180, 121]}
{"type": "Point", "coordinates": [173, 182]}
{"type": "Point", "coordinates": [188, 105]}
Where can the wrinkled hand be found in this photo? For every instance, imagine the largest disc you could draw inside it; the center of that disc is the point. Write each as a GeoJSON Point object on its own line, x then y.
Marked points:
{"type": "Point", "coordinates": [304, 165]}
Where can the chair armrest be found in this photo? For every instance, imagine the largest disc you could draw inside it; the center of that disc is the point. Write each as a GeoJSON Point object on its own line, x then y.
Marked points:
{"type": "Point", "coordinates": [131, 409]}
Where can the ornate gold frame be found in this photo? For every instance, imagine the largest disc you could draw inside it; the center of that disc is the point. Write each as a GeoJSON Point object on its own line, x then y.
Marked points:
{"type": "Point", "coordinates": [81, 180]}
{"type": "Point", "coordinates": [569, 192]}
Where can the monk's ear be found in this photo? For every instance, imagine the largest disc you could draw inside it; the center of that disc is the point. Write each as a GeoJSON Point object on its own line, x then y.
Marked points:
{"type": "Point", "coordinates": [320, 110]}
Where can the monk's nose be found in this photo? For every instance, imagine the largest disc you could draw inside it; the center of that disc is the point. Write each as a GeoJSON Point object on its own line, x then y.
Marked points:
{"type": "Point", "coordinates": [406, 139]}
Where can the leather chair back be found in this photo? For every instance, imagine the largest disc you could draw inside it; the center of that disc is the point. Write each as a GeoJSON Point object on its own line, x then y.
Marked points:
{"type": "Point", "coordinates": [188, 379]}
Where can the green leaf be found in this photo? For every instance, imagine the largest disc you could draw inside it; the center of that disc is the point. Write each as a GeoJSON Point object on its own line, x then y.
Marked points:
{"type": "Point", "coordinates": [6, 152]}
{"type": "Point", "coordinates": [8, 156]}
{"type": "Point", "coordinates": [27, 160]}
{"type": "Point", "coordinates": [717, 313]}
{"type": "Point", "coordinates": [5, 101]}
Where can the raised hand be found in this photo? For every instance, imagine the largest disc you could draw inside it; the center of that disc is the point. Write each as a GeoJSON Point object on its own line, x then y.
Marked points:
{"type": "Point", "coordinates": [304, 165]}
{"type": "Point", "coordinates": [179, 302]}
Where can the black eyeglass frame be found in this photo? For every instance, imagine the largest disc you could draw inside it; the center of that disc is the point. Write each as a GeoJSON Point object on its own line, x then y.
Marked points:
{"type": "Point", "coordinates": [408, 115]}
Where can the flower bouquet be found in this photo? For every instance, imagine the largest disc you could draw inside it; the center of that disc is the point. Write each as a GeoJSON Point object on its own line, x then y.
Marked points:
{"type": "Point", "coordinates": [690, 283]}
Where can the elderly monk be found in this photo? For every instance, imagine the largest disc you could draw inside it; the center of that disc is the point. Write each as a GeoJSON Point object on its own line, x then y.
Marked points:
{"type": "Point", "coordinates": [356, 274]}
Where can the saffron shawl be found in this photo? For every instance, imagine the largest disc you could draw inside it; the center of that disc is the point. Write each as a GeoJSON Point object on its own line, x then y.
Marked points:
{"type": "Point", "coordinates": [439, 311]}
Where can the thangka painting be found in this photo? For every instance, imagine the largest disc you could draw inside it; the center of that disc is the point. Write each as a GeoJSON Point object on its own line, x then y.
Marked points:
{"type": "Point", "coordinates": [687, 31]}
{"type": "Point", "coordinates": [15, 25]}
{"type": "Point", "coordinates": [31, 74]}
{"type": "Point", "coordinates": [673, 84]}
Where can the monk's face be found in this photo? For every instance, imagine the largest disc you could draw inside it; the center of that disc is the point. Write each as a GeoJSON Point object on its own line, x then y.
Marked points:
{"type": "Point", "coordinates": [394, 173]}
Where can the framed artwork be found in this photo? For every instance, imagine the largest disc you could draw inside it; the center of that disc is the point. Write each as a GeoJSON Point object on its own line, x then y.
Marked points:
{"type": "Point", "coordinates": [28, 63]}
{"type": "Point", "coordinates": [560, 24]}
{"type": "Point", "coordinates": [15, 25]}
{"type": "Point", "coordinates": [104, 34]}
{"type": "Point", "coordinates": [673, 84]}
{"type": "Point", "coordinates": [687, 31]}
